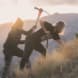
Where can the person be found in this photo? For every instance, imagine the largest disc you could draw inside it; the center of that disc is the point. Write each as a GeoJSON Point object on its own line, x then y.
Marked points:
{"type": "Point", "coordinates": [11, 44]}
{"type": "Point", "coordinates": [33, 42]}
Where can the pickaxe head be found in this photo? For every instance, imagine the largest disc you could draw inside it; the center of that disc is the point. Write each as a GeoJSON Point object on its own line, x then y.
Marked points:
{"type": "Point", "coordinates": [41, 10]}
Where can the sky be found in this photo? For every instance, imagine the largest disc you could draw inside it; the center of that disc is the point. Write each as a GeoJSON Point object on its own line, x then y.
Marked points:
{"type": "Point", "coordinates": [11, 9]}
{"type": "Point", "coordinates": [56, 2]}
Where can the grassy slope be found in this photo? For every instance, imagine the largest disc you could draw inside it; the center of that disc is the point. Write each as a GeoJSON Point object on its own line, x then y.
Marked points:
{"type": "Point", "coordinates": [62, 63]}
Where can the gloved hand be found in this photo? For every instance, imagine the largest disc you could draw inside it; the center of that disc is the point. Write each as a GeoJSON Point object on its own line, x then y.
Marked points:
{"type": "Point", "coordinates": [40, 12]}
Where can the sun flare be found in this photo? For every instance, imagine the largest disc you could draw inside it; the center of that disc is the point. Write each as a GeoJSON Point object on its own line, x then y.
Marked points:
{"type": "Point", "coordinates": [9, 11]}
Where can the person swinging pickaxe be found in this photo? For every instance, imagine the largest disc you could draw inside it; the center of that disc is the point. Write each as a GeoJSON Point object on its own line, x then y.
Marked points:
{"type": "Point", "coordinates": [39, 14]}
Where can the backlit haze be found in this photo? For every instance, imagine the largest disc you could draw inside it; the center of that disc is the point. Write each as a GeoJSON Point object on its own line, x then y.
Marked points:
{"type": "Point", "coordinates": [11, 9]}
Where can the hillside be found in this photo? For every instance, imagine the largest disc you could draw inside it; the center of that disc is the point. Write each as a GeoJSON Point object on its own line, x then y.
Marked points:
{"type": "Point", "coordinates": [62, 63]}
{"type": "Point", "coordinates": [70, 21]}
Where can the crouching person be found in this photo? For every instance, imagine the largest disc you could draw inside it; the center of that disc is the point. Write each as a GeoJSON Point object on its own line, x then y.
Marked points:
{"type": "Point", "coordinates": [11, 44]}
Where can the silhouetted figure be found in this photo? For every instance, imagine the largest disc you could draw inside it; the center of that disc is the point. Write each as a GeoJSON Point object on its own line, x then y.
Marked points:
{"type": "Point", "coordinates": [33, 42]}
{"type": "Point", "coordinates": [11, 44]}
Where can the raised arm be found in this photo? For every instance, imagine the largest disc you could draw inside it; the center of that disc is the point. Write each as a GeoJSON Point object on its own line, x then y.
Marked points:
{"type": "Point", "coordinates": [37, 20]}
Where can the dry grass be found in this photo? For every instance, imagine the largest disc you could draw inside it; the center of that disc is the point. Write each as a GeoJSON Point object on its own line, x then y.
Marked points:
{"type": "Point", "coordinates": [62, 63]}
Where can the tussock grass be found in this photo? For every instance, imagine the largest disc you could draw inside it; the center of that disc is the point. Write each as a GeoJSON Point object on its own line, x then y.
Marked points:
{"type": "Point", "coordinates": [62, 63]}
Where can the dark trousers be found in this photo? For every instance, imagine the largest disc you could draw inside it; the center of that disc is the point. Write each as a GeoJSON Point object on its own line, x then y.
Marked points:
{"type": "Point", "coordinates": [28, 50]}
{"type": "Point", "coordinates": [9, 52]}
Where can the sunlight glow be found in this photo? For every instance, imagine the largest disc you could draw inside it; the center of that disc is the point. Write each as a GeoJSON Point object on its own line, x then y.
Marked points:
{"type": "Point", "coordinates": [25, 9]}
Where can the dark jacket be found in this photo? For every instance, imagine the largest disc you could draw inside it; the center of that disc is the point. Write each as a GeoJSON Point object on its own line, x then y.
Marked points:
{"type": "Point", "coordinates": [14, 37]}
{"type": "Point", "coordinates": [37, 36]}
